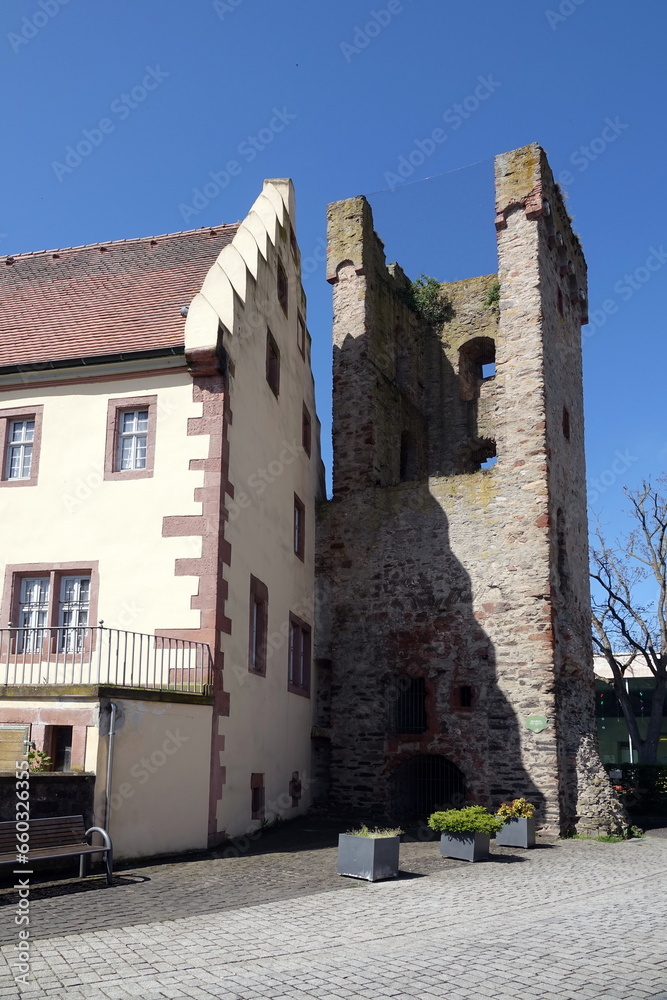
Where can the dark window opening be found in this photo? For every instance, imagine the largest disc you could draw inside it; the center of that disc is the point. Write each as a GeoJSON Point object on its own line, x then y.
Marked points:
{"type": "Point", "coordinates": [257, 795]}
{"type": "Point", "coordinates": [465, 696]}
{"type": "Point", "coordinates": [301, 335]}
{"type": "Point", "coordinates": [298, 678]}
{"type": "Point", "coordinates": [481, 456]}
{"type": "Point", "coordinates": [408, 460]}
{"type": "Point", "coordinates": [477, 363]}
{"type": "Point", "coordinates": [259, 620]}
{"type": "Point", "coordinates": [272, 363]}
{"type": "Point", "coordinates": [560, 302]}
{"type": "Point", "coordinates": [410, 709]}
{"type": "Point", "coordinates": [306, 430]}
{"type": "Point", "coordinates": [299, 527]}
{"type": "Point", "coordinates": [295, 789]}
{"type": "Point", "coordinates": [62, 748]}
{"type": "Point", "coordinates": [282, 287]}
{"type": "Point", "coordinates": [426, 783]}
{"type": "Point", "coordinates": [566, 423]}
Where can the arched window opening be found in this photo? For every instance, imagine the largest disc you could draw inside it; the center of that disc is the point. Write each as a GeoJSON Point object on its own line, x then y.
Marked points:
{"type": "Point", "coordinates": [425, 783]}
{"type": "Point", "coordinates": [477, 364]}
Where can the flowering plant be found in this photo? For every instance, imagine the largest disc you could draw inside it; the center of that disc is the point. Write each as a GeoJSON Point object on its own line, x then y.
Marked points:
{"type": "Point", "coordinates": [516, 809]}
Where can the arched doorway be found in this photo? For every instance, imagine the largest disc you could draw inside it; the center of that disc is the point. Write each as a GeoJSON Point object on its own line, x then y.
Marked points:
{"type": "Point", "coordinates": [425, 783]}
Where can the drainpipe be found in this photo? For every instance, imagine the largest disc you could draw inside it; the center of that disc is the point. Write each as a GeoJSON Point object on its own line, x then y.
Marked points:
{"type": "Point", "coordinates": [107, 790]}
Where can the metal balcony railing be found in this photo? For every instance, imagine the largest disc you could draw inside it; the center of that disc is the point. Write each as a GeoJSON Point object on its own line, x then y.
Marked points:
{"type": "Point", "coordinates": [92, 655]}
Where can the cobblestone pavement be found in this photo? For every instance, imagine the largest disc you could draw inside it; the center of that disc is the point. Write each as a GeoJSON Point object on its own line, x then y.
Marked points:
{"type": "Point", "coordinates": [578, 920]}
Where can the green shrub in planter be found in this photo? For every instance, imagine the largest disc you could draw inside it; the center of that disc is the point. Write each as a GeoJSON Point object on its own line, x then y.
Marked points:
{"type": "Point", "coordinates": [471, 819]}
{"type": "Point", "coordinates": [465, 833]}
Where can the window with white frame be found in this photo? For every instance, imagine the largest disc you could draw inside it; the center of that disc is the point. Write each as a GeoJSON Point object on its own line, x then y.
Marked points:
{"type": "Point", "coordinates": [132, 439]}
{"type": "Point", "coordinates": [33, 613]}
{"type": "Point", "coordinates": [73, 612]}
{"type": "Point", "coordinates": [19, 449]}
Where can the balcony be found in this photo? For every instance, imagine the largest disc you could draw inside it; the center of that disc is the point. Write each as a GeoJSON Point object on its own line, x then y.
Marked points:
{"type": "Point", "coordinates": [95, 655]}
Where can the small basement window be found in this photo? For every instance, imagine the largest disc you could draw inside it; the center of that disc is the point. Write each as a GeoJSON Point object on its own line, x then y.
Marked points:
{"type": "Point", "coordinates": [465, 696]}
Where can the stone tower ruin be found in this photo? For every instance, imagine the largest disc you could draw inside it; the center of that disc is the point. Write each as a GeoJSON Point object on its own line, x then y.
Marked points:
{"type": "Point", "coordinates": [454, 657]}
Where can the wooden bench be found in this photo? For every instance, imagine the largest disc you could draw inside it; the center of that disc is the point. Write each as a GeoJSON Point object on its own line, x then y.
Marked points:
{"type": "Point", "coordinates": [56, 837]}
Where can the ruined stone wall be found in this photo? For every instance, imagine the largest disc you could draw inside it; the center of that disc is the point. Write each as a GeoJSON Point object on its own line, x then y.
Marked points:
{"type": "Point", "coordinates": [465, 577]}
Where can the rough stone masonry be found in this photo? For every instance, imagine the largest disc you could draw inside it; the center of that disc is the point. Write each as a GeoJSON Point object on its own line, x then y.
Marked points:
{"type": "Point", "coordinates": [454, 655]}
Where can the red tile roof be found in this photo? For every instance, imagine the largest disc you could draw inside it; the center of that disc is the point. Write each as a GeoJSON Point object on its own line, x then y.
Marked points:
{"type": "Point", "coordinates": [107, 298]}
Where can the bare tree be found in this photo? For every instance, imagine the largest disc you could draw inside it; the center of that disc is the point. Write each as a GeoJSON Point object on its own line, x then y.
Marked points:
{"type": "Point", "coordinates": [625, 630]}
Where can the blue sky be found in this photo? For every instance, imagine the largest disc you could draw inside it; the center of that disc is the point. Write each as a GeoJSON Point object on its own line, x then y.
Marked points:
{"type": "Point", "coordinates": [356, 86]}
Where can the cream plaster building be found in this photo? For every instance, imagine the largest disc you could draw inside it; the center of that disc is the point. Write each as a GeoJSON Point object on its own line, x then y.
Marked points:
{"type": "Point", "coordinates": [160, 467]}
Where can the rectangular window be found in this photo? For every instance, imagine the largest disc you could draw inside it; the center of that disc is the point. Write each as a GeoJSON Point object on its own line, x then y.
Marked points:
{"type": "Point", "coordinates": [50, 604]}
{"type": "Point", "coordinates": [306, 430]}
{"type": "Point", "coordinates": [299, 656]}
{"type": "Point", "coordinates": [73, 612]}
{"type": "Point", "coordinates": [33, 613]}
{"type": "Point", "coordinates": [132, 439]}
{"type": "Point", "coordinates": [272, 363]}
{"type": "Point", "coordinates": [257, 796]}
{"type": "Point", "coordinates": [299, 527]}
{"type": "Point", "coordinates": [20, 438]}
{"type": "Point", "coordinates": [19, 449]}
{"type": "Point", "coordinates": [282, 287]}
{"type": "Point", "coordinates": [130, 444]}
{"type": "Point", "coordinates": [259, 622]}
{"type": "Point", "coordinates": [301, 335]}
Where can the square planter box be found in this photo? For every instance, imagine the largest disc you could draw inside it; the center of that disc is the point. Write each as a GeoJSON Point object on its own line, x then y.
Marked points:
{"type": "Point", "coordinates": [372, 858]}
{"type": "Point", "coordinates": [519, 832]}
{"type": "Point", "coordinates": [465, 846]}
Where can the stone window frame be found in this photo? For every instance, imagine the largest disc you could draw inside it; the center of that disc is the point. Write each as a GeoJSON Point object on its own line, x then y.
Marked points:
{"type": "Point", "coordinates": [7, 416]}
{"type": "Point", "coordinates": [259, 597]}
{"type": "Point", "coordinates": [115, 408]}
{"type": "Point", "coordinates": [299, 627]}
{"type": "Point", "coordinates": [11, 598]}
